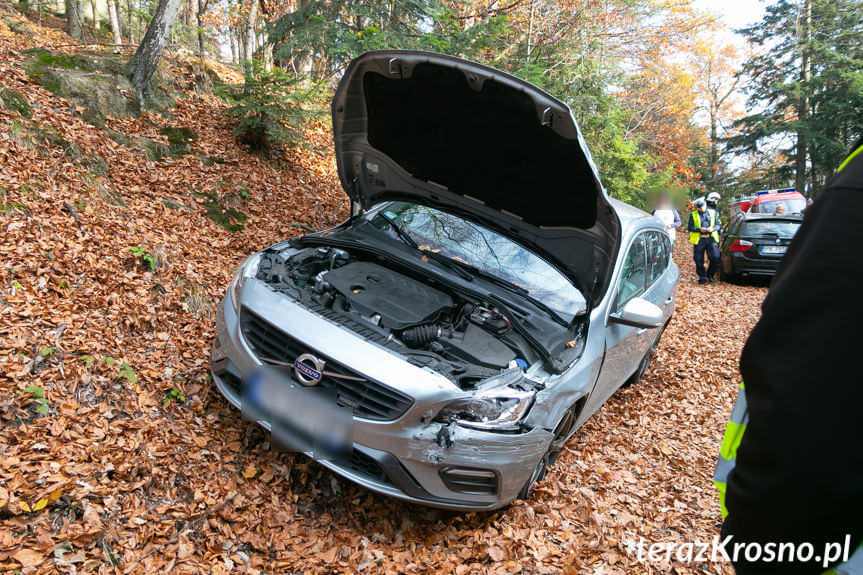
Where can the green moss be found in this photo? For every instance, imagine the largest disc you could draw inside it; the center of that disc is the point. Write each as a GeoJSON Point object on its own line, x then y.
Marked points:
{"type": "Point", "coordinates": [38, 60]}
{"type": "Point", "coordinates": [154, 150]}
{"type": "Point", "coordinates": [179, 139]}
{"type": "Point", "coordinates": [31, 135]}
{"type": "Point", "coordinates": [95, 164]}
{"type": "Point", "coordinates": [12, 100]}
{"type": "Point", "coordinates": [17, 25]}
{"type": "Point", "coordinates": [227, 218]}
{"type": "Point", "coordinates": [118, 137]}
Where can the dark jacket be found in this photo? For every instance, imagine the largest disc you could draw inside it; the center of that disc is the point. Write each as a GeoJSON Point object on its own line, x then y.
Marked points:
{"type": "Point", "coordinates": [799, 472]}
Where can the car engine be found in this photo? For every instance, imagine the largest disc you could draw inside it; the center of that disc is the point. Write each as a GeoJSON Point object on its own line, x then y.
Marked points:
{"type": "Point", "coordinates": [463, 339]}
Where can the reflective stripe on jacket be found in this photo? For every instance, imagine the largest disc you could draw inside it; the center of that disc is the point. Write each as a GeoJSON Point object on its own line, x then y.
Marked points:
{"type": "Point", "coordinates": [734, 430]}
{"type": "Point", "coordinates": [694, 237]}
{"type": "Point", "coordinates": [730, 442]}
{"type": "Point", "coordinates": [847, 161]}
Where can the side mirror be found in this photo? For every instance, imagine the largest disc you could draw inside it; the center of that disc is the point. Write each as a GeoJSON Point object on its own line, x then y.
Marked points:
{"type": "Point", "coordinates": [639, 313]}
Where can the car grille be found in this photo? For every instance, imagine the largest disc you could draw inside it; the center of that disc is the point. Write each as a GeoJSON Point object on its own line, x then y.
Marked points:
{"type": "Point", "coordinates": [368, 399]}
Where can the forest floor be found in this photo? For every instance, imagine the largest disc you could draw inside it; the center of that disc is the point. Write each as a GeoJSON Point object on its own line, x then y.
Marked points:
{"type": "Point", "coordinates": [117, 454]}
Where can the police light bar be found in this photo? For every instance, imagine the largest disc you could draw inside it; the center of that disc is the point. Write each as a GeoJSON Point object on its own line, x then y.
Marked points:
{"type": "Point", "coordinates": [776, 191]}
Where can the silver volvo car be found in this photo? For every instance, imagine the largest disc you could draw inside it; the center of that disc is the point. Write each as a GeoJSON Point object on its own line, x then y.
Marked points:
{"type": "Point", "coordinates": [486, 297]}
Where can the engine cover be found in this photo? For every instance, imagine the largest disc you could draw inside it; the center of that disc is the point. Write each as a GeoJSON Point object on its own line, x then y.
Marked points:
{"type": "Point", "coordinates": [401, 301]}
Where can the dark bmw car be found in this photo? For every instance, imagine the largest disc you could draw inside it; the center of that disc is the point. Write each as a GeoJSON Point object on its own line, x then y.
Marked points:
{"type": "Point", "coordinates": [754, 244]}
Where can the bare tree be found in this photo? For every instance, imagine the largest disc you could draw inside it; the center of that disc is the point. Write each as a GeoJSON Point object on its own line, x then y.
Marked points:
{"type": "Point", "coordinates": [115, 21]}
{"type": "Point", "coordinates": [249, 35]}
{"type": "Point", "coordinates": [143, 64]}
{"type": "Point", "coordinates": [74, 26]}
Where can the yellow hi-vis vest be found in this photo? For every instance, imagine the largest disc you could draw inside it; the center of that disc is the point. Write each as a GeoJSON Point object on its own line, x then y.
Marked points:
{"type": "Point", "coordinates": [696, 219]}
{"type": "Point", "coordinates": [734, 430]}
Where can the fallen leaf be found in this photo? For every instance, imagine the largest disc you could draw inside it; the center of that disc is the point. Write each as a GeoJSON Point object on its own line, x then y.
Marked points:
{"type": "Point", "coordinates": [28, 557]}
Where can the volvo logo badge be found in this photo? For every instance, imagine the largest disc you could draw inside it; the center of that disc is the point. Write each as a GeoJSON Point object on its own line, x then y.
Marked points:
{"type": "Point", "coordinates": [309, 369]}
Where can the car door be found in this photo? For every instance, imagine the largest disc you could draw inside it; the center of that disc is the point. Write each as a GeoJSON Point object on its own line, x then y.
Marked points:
{"type": "Point", "coordinates": [661, 277]}
{"type": "Point", "coordinates": [625, 345]}
{"type": "Point", "coordinates": [727, 239]}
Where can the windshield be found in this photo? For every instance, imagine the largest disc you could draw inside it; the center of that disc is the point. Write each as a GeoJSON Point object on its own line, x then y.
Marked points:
{"type": "Point", "coordinates": [781, 228]}
{"type": "Point", "coordinates": [485, 250]}
{"type": "Point", "coordinates": [791, 206]}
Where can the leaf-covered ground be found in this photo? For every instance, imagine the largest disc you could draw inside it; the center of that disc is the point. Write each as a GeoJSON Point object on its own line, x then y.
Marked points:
{"type": "Point", "coordinates": [117, 455]}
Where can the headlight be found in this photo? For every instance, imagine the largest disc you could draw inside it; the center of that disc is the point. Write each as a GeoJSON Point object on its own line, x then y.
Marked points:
{"type": "Point", "coordinates": [499, 409]}
{"type": "Point", "coordinates": [246, 270]}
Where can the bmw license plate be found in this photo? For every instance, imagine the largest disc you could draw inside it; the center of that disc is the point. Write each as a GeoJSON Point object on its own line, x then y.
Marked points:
{"type": "Point", "coordinates": [773, 250]}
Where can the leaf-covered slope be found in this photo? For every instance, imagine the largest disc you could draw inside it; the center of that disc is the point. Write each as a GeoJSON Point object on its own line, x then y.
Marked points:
{"type": "Point", "coordinates": [118, 455]}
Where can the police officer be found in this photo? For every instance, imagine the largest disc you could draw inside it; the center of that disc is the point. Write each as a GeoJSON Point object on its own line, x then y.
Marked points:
{"type": "Point", "coordinates": [790, 469]}
{"type": "Point", "coordinates": [713, 201]}
{"type": "Point", "coordinates": [704, 226]}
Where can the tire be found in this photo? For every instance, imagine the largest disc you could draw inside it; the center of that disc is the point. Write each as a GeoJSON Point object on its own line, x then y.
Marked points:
{"type": "Point", "coordinates": [563, 432]}
{"type": "Point", "coordinates": [724, 276]}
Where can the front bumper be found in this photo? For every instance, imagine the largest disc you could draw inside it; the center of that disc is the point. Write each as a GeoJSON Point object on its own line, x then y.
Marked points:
{"type": "Point", "coordinates": [409, 458]}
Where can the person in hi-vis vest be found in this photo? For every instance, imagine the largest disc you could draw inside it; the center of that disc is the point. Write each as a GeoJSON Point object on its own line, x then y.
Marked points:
{"type": "Point", "coordinates": [790, 471]}
{"type": "Point", "coordinates": [704, 229]}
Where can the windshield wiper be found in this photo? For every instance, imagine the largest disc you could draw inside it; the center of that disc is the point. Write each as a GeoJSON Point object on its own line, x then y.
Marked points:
{"type": "Point", "coordinates": [400, 231]}
{"type": "Point", "coordinates": [438, 257]}
{"type": "Point", "coordinates": [508, 285]}
{"type": "Point", "coordinates": [467, 271]}
{"type": "Point", "coordinates": [523, 292]}
{"type": "Point", "coordinates": [450, 263]}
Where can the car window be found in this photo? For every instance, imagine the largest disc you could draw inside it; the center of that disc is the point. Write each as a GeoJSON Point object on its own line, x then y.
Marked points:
{"type": "Point", "coordinates": [735, 226]}
{"type": "Point", "coordinates": [486, 250]}
{"type": "Point", "coordinates": [780, 228]}
{"type": "Point", "coordinates": [791, 206]}
{"type": "Point", "coordinates": [657, 256]}
{"type": "Point", "coordinates": [633, 278]}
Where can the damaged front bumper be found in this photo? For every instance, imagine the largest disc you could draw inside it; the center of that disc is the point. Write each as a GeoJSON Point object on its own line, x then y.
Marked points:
{"type": "Point", "coordinates": [410, 457]}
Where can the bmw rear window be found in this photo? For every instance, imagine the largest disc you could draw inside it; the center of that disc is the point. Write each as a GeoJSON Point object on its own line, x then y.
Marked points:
{"type": "Point", "coordinates": [772, 228]}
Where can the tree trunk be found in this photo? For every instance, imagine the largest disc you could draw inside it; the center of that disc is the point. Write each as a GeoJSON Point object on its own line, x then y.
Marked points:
{"type": "Point", "coordinates": [241, 45]}
{"type": "Point", "coordinates": [714, 140]}
{"type": "Point", "coordinates": [115, 22]}
{"type": "Point", "coordinates": [143, 64]}
{"type": "Point", "coordinates": [73, 19]}
{"type": "Point", "coordinates": [232, 40]}
{"type": "Point", "coordinates": [267, 55]}
{"type": "Point", "coordinates": [803, 105]}
{"type": "Point", "coordinates": [94, 15]}
{"type": "Point", "coordinates": [202, 38]}
{"type": "Point", "coordinates": [249, 35]}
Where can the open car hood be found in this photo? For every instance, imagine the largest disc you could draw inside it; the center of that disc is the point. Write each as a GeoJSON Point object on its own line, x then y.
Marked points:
{"type": "Point", "coordinates": [442, 131]}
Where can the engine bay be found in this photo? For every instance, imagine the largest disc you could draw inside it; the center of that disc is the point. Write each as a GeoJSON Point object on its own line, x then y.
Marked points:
{"type": "Point", "coordinates": [461, 337]}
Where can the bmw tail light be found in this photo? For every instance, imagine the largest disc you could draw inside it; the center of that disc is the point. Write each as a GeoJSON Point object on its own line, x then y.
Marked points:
{"type": "Point", "coordinates": [740, 245]}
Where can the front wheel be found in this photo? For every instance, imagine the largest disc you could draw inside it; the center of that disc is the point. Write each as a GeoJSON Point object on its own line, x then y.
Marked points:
{"type": "Point", "coordinates": [562, 433]}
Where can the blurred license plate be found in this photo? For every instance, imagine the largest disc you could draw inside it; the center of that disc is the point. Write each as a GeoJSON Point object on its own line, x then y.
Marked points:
{"type": "Point", "coordinates": [301, 419]}
{"type": "Point", "coordinates": [773, 250]}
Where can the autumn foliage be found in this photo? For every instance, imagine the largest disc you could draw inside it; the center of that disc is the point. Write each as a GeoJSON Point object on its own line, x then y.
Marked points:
{"type": "Point", "coordinates": [117, 455]}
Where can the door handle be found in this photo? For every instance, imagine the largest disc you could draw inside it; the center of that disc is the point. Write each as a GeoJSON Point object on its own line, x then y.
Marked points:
{"type": "Point", "coordinates": [641, 331]}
